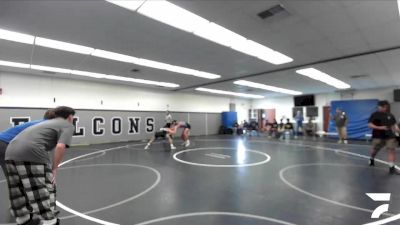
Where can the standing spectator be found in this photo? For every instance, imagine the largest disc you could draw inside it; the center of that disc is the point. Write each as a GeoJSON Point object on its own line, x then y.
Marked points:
{"type": "Point", "coordinates": [341, 121]}
{"type": "Point", "coordinates": [168, 119]}
{"type": "Point", "coordinates": [31, 180]}
{"type": "Point", "coordinates": [384, 126]}
{"type": "Point", "coordinates": [299, 123]}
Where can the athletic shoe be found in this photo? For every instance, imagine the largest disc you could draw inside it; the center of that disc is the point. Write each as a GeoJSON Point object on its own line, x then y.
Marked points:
{"type": "Point", "coordinates": [173, 147]}
{"type": "Point", "coordinates": [183, 143]}
{"type": "Point", "coordinates": [339, 142]}
{"type": "Point", "coordinates": [147, 147]}
{"type": "Point", "coordinates": [345, 142]}
{"type": "Point", "coordinates": [371, 162]}
{"type": "Point", "coordinates": [187, 143]}
{"type": "Point", "coordinates": [393, 171]}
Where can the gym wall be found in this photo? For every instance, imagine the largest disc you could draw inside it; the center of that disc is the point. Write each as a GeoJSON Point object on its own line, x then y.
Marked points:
{"type": "Point", "coordinates": [51, 90]}
{"type": "Point", "coordinates": [105, 126]}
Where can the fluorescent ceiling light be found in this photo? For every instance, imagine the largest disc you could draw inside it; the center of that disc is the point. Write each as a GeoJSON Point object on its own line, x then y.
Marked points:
{"type": "Point", "coordinates": [50, 69]}
{"type": "Point", "coordinates": [276, 58]}
{"type": "Point", "coordinates": [128, 4]}
{"type": "Point", "coordinates": [221, 92]}
{"type": "Point", "coordinates": [154, 64]}
{"type": "Point", "coordinates": [172, 15]}
{"type": "Point", "coordinates": [141, 81]}
{"type": "Point", "coordinates": [115, 56]}
{"type": "Point", "coordinates": [14, 64]}
{"type": "Point", "coordinates": [206, 75]}
{"type": "Point", "coordinates": [398, 5]}
{"type": "Point", "coordinates": [17, 37]}
{"type": "Point", "coordinates": [219, 35]}
{"type": "Point", "coordinates": [267, 87]}
{"type": "Point", "coordinates": [44, 42]}
{"type": "Point", "coordinates": [252, 48]}
{"type": "Point", "coordinates": [107, 55]}
{"type": "Point", "coordinates": [323, 77]}
{"type": "Point", "coordinates": [185, 20]}
{"type": "Point", "coordinates": [262, 52]}
{"type": "Point", "coordinates": [87, 74]}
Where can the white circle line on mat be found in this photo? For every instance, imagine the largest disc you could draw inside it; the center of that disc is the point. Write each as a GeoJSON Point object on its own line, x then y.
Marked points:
{"type": "Point", "coordinates": [217, 214]}
{"type": "Point", "coordinates": [175, 156]}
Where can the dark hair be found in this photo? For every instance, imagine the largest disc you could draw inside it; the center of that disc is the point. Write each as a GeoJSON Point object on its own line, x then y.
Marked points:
{"type": "Point", "coordinates": [63, 112]}
{"type": "Point", "coordinates": [49, 114]}
{"type": "Point", "coordinates": [383, 103]}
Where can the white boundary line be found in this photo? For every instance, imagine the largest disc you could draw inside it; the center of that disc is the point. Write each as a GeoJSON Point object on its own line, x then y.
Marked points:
{"type": "Point", "coordinates": [216, 165]}
{"type": "Point", "coordinates": [158, 179]}
{"type": "Point", "coordinates": [216, 213]}
{"type": "Point", "coordinates": [282, 177]}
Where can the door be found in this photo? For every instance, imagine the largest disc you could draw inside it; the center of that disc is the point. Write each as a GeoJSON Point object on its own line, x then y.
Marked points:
{"type": "Point", "coordinates": [327, 112]}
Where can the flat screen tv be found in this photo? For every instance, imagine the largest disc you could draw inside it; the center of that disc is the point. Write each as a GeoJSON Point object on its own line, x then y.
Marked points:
{"type": "Point", "coordinates": [295, 109]}
{"type": "Point", "coordinates": [312, 111]}
{"type": "Point", "coordinates": [304, 100]}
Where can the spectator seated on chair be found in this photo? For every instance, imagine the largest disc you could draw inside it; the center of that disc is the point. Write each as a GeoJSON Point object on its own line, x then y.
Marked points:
{"type": "Point", "coordinates": [289, 129]}
{"type": "Point", "coordinates": [281, 130]}
{"type": "Point", "coordinates": [253, 128]}
{"type": "Point", "coordinates": [273, 129]}
{"type": "Point", "coordinates": [235, 128]}
{"type": "Point", "coordinates": [309, 128]}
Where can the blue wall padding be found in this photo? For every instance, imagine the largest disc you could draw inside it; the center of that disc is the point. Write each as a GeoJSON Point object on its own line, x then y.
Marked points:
{"type": "Point", "coordinates": [358, 112]}
{"type": "Point", "coordinates": [229, 118]}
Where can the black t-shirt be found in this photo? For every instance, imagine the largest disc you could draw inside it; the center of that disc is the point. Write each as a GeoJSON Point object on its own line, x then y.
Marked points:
{"type": "Point", "coordinates": [382, 119]}
{"type": "Point", "coordinates": [288, 126]}
{"type": "Point", "coordinates": [274, 125]}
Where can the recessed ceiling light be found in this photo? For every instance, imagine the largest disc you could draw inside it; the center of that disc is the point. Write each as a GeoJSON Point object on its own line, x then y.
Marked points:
{"type": "Point", "coordinates": [17, 37]}
{"type": "Point", "coordinates": [60, 45]}
{"type": "Point", "coordinates": [267, 87]}
{"type": "Point", "coordinates": [221, 92]}
{"type": "Point", "coordinates": [323, 77]}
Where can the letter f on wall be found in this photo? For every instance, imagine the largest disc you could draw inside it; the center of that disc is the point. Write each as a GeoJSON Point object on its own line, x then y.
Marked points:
{"type": "Point", "coordinates": [379, 197]}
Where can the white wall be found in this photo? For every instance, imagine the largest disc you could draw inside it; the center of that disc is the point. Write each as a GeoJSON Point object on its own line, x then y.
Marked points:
{"type": "Point", "coordinates": [284, 105]}
{"type": "Point", "coordinates": [21, 90]}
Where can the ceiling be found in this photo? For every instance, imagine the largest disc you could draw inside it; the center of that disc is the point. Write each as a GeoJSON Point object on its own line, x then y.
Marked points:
{"type": "Point", "coordinates": [309, 32]}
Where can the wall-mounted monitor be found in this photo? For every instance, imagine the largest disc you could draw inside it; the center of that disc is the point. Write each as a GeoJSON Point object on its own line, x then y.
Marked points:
{"type": "Point", "coordinates": [304, 100]}
{"type": "Point", "coordinates": [312, 111]}
{"type": "Point", "coordinates": [295, 109]}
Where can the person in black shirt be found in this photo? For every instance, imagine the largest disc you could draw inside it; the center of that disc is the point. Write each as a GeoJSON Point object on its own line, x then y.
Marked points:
{"type": "Point", "coordinates": [289, 129]}
{"type": "Point", "coordinates": [383, 125]}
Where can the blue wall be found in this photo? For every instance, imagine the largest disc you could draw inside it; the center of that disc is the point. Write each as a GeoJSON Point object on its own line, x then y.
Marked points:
{"type": "Point", "coordinates": [358, 112]}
